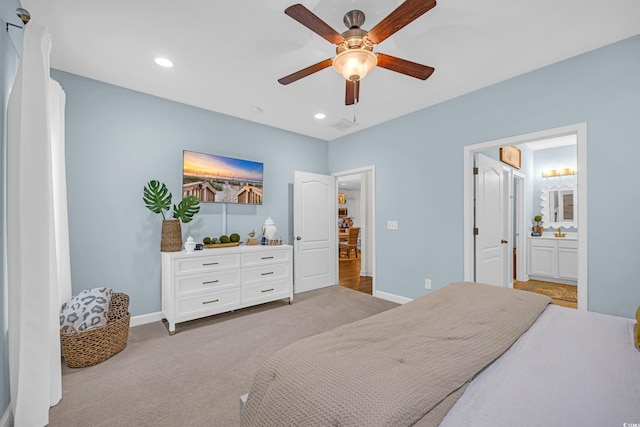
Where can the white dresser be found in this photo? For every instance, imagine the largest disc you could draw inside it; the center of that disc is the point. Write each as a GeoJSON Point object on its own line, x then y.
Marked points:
{"type": "Point", "coordinates": [213, 281]}
{"type": "Point", "coordinates": [553, 259]}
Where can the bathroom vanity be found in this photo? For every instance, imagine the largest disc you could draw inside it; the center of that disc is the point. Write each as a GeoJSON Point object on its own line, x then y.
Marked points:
{"type": "Point", "coordinates": [553, 258]}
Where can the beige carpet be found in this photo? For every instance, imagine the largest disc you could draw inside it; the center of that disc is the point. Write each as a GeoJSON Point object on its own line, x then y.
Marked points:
{"type": "Point", "coordinates": [196, 377]}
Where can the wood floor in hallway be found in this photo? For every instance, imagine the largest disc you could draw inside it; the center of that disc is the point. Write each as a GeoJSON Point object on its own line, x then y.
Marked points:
{"type": "Point", "coordinates": [349, 274]}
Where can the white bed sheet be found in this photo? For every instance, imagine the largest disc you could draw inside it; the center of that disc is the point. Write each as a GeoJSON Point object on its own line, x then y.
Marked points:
{"type": "Point", "coordinates": [570, 368]}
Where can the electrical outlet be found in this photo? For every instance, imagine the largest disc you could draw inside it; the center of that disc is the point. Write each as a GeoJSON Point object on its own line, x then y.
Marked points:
{"type": "Point", "coordinates": [392, 225]}
{"type": "Point", "coordinates": [427, 283]}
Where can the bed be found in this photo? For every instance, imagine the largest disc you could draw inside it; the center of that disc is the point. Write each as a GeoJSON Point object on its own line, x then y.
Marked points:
{"type": "Point", "coordinates": [466, 354]}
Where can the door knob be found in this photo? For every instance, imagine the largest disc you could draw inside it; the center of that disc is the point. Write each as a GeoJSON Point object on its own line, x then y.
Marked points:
{"type": "Point", "coordinates": [298, 238]}
{"type": "Point", "coordinates": [504, 241]}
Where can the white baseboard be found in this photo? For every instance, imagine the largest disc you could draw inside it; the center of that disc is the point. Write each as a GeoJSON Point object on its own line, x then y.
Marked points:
{"type": "Point", "coordinates": [7, 417]}
{"type": "Point", "coordinates": [392, 297]}
{"type": "Point", "coordinates": [143, 319]}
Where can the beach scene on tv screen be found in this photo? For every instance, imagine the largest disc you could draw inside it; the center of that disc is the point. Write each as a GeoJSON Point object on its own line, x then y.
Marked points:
{"type": "Point", "coordinates": [213, 178]}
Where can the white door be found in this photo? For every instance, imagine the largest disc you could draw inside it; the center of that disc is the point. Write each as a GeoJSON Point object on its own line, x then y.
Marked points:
{"type": "Point", "coordinates": [490, 223]}
{"type": "Point", "coordinates": [314, 231]}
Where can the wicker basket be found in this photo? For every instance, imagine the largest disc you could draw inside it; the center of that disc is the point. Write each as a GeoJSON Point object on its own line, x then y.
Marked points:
{"type": "Point", "coordinates": [96, 345]}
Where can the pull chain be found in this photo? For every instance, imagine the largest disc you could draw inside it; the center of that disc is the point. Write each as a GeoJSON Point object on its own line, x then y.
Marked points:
{"type": "Point", "coordinates": [355, 100]}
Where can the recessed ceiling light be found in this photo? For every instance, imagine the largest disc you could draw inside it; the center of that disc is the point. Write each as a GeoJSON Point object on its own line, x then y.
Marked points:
{"type": "Point", "coordinates": [320, 116]}
{"type": "Point", "coordinates": [164, 62]}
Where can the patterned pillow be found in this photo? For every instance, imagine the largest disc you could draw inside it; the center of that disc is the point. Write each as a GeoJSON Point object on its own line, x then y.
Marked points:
{"type": "Point", "coordinates": [87, 310]}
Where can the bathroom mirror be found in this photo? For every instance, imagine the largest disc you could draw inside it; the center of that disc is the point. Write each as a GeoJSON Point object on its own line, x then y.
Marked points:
{"type": "Point", "coordinates": [559, 206]}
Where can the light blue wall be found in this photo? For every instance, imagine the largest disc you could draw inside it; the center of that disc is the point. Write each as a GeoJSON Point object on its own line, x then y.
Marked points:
{"type": "Point", "coordinates": [419, 175]}
{"type": "Point", "coordinates": [117, 140]}
{"type": "Point", "coordinates": [10, 42]}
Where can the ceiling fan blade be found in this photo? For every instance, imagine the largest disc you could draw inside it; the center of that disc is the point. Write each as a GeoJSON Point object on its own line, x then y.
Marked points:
{"type": "Point", "coordinates": [352, 93]}
{"type": "Point", "coordinates": [305, 72]}
{"type": "Point", "coordinates": [403, 66]}
{"type": "Point", "coordinates": [315, 24]}
{"type": "Point", "coordinates": [407, 12]}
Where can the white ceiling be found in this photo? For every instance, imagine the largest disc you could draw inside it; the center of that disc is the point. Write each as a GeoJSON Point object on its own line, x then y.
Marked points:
{"type": "Point", "coordinates": [228, 55]}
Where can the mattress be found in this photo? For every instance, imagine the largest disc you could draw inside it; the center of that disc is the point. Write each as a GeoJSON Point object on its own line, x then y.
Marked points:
{"type": "Point", "coordinates": [570, 368]}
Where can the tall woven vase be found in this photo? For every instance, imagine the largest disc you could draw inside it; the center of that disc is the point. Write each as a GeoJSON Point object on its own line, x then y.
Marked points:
{"type": "Point", "coordinates": [171, 240]}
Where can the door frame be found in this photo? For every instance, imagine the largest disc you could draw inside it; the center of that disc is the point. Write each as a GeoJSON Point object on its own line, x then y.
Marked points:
{"type": "Point", "coordinates": [580, 130]}
{"type": "Point", "coordinates": [370, 195]}
{"type": "Point", "coordinates": [520, 240]}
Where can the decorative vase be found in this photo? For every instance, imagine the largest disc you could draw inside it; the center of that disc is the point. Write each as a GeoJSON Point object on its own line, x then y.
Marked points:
{"type": "Point", "coordinates": [269, 230]}
{"type": "Point", "coordinates": [189, 245]}
{"type": "Point", "coordinates": [171, 240]}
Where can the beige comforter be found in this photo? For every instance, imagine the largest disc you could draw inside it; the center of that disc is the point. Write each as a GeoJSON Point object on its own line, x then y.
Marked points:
{"type": "Point", "coordinates": [406, 366]}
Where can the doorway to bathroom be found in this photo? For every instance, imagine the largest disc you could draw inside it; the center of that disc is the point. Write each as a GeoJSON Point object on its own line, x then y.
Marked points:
{"type": "Point", "coordinates": [523, 230]}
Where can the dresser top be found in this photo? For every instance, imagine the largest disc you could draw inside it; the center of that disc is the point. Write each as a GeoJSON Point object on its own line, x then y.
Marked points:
{"type": "Point", "coordinates": [228, 250]}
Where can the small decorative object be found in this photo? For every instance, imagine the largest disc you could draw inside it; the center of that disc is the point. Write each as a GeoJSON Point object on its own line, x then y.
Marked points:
{"type": "Point", "coordinates": [157, 198]}
{"type": "Point", "coordinates": [224, 241]}
{"type": "Point", "coordinates": [511, 155]}
{"type": "Point", "coordinates": [537, 229]}
{"type": "Point", "coordinates": [269, 230]}
{"type": "Point", "coordinates": [189, 245]}
{"type": "Point", "coordinates": [252, 239]}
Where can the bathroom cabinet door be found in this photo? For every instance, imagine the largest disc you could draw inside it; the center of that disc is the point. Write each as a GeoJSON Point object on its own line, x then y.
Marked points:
{"type": "Point", "coordinates": [568, 260]}
{"type": "Point", "coordinates": [542, 258]}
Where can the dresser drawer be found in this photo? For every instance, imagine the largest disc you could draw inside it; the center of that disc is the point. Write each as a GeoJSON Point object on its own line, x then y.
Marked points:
{"type": "Point", "coordinates": [188, 284]}
{"type": "Point", "coordinates": [206, 263]}
{"type": "Point", "coordinates": [210, 303]}
{"type": "Point", "coordinates": [264, 257]}
{"type": "Point", "coordinates": [266, 292]}
{"type": "Point", "coordinates": [265, 273]}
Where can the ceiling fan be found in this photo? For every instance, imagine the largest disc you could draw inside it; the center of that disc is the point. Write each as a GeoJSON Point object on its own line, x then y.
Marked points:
{"type": "Point", "coordinates": [354, 47]}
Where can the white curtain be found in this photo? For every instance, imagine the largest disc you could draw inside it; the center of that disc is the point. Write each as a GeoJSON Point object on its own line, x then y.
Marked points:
{"type": "Point", "coordinates": [37, 232]}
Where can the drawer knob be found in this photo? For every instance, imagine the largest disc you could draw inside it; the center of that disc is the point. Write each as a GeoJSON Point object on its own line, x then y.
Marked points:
{"type": "Point", "coordinates": [266, 290]}
{"type": "Point", "coordinates": [266, 274]}
{"type": "Point", "coordinates": [210, 281]}
{"type": "Point", "coordinates": [209, 302]}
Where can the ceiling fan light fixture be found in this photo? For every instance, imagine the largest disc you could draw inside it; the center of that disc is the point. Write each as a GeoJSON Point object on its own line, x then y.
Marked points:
{"type": "Point", "coordinates": [354, 64]}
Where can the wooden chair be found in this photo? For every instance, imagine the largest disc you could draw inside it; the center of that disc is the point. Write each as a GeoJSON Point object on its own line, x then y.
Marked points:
{"type": "Point", "coordinates": [351, 243]}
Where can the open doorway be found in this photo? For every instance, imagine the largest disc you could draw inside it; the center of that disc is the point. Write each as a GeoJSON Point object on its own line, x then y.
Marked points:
{"type": "Point", "coordinates": [355, 229]}
{"type": "Point", "coordinates": [579, 131]}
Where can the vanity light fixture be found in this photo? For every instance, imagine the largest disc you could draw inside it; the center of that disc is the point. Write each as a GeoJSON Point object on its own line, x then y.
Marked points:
{"type": "Point", "coordinates": [559, 172]}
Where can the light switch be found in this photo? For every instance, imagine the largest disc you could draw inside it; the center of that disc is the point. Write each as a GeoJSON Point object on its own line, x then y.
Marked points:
{"type": "Point", "coordinates": [392, 225]}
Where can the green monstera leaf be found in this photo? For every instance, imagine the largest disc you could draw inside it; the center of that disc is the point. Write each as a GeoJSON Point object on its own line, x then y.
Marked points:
{"type": "Point", "coordinates": [157, 197]}
{"type": "Point", "coordinates": [186, 209]}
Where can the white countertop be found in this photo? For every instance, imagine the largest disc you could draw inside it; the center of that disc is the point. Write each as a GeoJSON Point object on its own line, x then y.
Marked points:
{"type": "Point", "coordinates": [569, 235]}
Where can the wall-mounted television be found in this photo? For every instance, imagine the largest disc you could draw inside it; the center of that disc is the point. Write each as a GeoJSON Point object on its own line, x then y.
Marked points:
{"type": "Point", "coordinates": [219, 179]}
